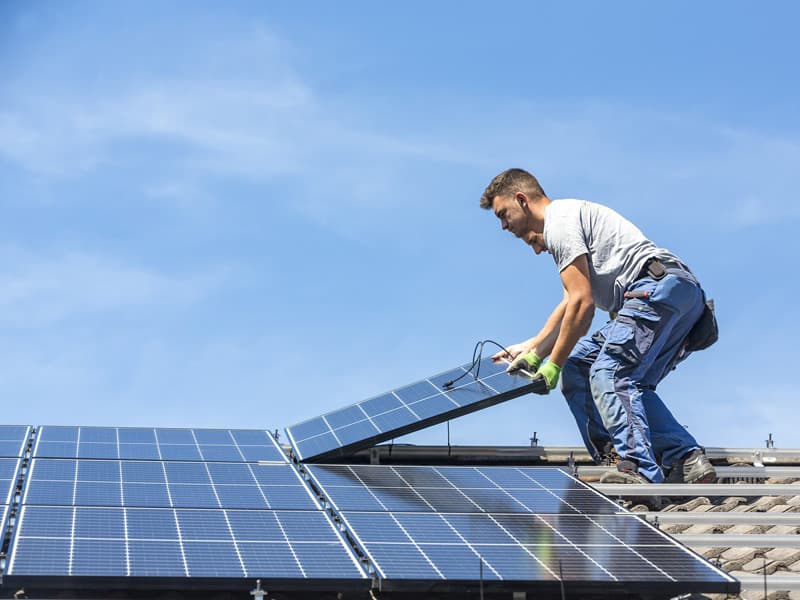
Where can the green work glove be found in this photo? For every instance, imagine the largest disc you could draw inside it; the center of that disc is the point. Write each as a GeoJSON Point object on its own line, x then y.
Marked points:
{"type": "Point", "coordinates": [546, 378]}
{"type": "Point", "coordinates": [530, 362]}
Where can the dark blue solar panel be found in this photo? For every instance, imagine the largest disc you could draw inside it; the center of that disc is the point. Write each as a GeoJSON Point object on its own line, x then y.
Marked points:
{"type": "Point", "coordinates": [144, 542]}
{"type": "Point", "coordinates": [514, 523]}
{"type": "Point", "coordinates": [68, 482]}
{"type": "Point", "coordinates": [224, 445]}
{"type": "Point", "coordinates": [9, 468]}
{"type": "Point", "coordinates": [13, 440]}
{"type": "Point", "coordinates": [404, 410]}
{"type": "Point", "coordinates": [457, 489]}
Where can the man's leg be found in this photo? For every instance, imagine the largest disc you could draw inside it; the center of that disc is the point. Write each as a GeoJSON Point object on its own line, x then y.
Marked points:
{"type": "Point", "coordinates": [575, 386]}
{"type": "Point", "coordinates": [644, 332]}
{"type": "Point", "coordinates": [671, 441]}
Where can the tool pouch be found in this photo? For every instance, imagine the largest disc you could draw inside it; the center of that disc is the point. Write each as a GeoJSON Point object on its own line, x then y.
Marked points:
{"type": "Point", "coordinates": [705, 332]}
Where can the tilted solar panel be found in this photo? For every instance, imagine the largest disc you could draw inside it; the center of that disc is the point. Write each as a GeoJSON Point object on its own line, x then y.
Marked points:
{"type": "Point", "coordinates": [139, 443]}
{"type": "Point", "coordinates": [514, 527]}
{"type": "Point", "coordinates": [404, 410]}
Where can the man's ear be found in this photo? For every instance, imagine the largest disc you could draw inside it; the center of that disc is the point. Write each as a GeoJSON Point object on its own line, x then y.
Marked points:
{"type": "Point", "coordinates": [522, 200]}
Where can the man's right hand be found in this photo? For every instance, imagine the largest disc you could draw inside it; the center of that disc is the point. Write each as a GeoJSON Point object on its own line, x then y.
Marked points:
{"type": "Point", "coordinates": [529, 361]}
{"type": "Point", "coordinates": [511, 352]}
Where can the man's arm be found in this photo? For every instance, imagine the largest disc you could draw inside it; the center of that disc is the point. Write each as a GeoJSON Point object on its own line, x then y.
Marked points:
{"type": "Point", "coordinates": [542, 343]}
{"type": "Point", "coordinates": [579, 309]}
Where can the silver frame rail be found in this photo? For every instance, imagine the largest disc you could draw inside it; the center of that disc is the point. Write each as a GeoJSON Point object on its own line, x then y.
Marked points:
{"type": "Point", "coordinates": [703, 489]}
{"type": "Point", "coordinates": [746, 540]}
{"type": "Point", "coordinates": [722, 472]}
{"type": "Point", "coordinates": [722, 518]}
{"type": "Point", "coordinates": [774, 582]}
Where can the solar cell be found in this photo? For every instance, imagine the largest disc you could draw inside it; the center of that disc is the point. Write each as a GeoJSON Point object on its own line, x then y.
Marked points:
{"type": "Point", "coordinates": [513, 524]}
{"type": "Point", "coordinates": [226, 445]}
{"type": "Point", "coordinates": [84, 482]}
{"type": "Point", "coordinates": [163, 542]}
{"type": "Point", "coordinates": [404, 410]}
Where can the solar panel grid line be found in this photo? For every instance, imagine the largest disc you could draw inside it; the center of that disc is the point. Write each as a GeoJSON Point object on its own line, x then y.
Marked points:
{"type": "Point", "coordinates": [479, 472]}
{"type": "Point", "coordinates": [179, 535]}
{"type": "Point", "coordinates": [258, 487]}
{"type": "Point", "coordinates": [71, 541]}
{"type": "Point", "coordinates": [555, 575]}
{"type": "Point", "coordinates": [470, 546]}
{"type": "Point", "coordinates": [416, 545]}
{"type": "Point", "coordinates": [291, 548]}
{"type": "Point", "coordinates": [404, 404]}
{"type": "Point", "coordinates": [127, 537]}
{"type": "Point", "coordinates": [368, 418]}
{"type": "Point", "coordinates": [524, 474]}
{"type": "Point", "coordinates": [448, 481]}
{"type": "Point", "coordinates": [595, 522]}
{"type": "Point", "coordinates": [361, 481]}
{"type": "Point", "coordinates": [632, 549]}
{"type": "Point", "coordinates": [682, 547]}
{"type": "Point", "coordinates": [233, 537]}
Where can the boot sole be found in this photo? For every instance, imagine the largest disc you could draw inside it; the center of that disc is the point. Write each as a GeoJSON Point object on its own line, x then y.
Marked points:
{"type": "Point", "coordinates": [706, 478]}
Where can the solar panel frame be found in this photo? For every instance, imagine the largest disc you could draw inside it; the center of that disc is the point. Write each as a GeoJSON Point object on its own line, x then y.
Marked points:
{"type": "Point", "coordinates": [157, 443]}
{"type": "Point", "coordinates": [404, 410]}
{"type": "Point", "coordinates": [416, 548]}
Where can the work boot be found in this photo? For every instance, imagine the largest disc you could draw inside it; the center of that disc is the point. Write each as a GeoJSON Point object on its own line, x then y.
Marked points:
{"type": "Point", "coordinates": [694, 467]}
{"type": "Point", "coordinates": [626, 472]}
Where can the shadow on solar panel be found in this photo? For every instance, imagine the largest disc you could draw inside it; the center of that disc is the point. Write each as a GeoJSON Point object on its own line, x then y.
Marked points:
{"type": "Point", "coordinates": [403, 410]}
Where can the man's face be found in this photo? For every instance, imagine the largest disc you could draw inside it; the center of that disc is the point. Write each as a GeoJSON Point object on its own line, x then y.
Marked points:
{"type": "Point", "coordinates": [512, 210]}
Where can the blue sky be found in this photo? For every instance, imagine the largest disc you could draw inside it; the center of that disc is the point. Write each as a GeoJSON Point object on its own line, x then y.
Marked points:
{"type": "Point", "coordinates": [246, 214]}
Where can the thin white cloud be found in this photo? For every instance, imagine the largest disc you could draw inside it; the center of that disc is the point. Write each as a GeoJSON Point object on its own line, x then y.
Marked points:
{"type": "Point", "coordinates": [43, 290]}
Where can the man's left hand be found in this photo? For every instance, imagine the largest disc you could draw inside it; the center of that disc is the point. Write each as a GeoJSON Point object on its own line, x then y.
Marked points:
{"type": "Point", "coordinates": [546, 378]}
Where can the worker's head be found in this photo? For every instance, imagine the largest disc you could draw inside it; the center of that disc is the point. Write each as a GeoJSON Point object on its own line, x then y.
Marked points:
{"type": "Point", "coordinates": [518, 201]}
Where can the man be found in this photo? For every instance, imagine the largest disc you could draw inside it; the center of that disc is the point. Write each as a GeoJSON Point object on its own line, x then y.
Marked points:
{"type": "Point", "coordinates": [610, 378]}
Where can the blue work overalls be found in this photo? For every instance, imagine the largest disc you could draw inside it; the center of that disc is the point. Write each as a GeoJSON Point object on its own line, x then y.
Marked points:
{"type": "Point", "coordinates": [610, 378]}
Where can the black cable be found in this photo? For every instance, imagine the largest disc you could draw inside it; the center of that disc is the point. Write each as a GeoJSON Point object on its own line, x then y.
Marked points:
{"type": "Point", "coordinates": [477, 355]}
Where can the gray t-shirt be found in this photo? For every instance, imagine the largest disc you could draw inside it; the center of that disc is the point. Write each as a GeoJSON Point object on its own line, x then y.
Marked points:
{"type": "Point", "coordinates": [617, 250]}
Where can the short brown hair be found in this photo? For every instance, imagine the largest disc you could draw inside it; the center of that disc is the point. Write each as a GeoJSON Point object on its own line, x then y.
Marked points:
{"type": "Point", "coordinates": [511, 181]}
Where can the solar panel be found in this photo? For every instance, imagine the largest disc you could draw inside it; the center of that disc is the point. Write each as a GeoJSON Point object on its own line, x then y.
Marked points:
{"type": "Point", "coordinates": [13, 439]}
{"type": "Point", "coordinates": [179, 543]}
{"type": "Point", "coordinates": [458, 489]}
{"type": "Point", "coordinates": [9, 469]}
{"type": "Point", "coordinates": [139, 443]}
{"type": "Point", "coordinates": [234, 509]}
{"type": "Point", "coordinates": [95, 482]}
{"type": "Point", "coordinates": [404, 410]}
{"type": "Point", "coordinates": [510, 526]}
